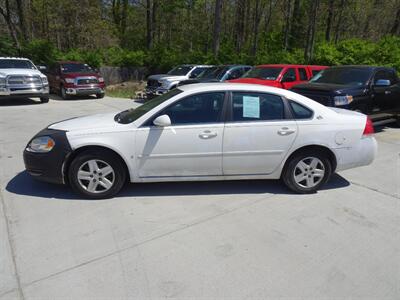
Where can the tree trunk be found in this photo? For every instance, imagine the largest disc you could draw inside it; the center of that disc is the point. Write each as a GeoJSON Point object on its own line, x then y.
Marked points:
{"type": "Point", "coordinates": [149, 27]}
{"type": "Point", "coordinates": [339, 21]}
{"type": "Point", "coordinates": [217, 27]}
{"type": "Point", "coordinates": [309, 50]}
{"type": "Point", "coordinates": [296, 24]}
{"type": "Point", "coordinates": [22, 19]}
{"type": "Point", "coordinates": [288, 24]}
{"type": "Point", "coordinates": [257, 18]}
{"type": "Point", "coordinates": [239, 24]}
{"type": "Point", "coordinates": [329, 20]}
{"type": "Point", "coordinates": [5, 12]}
{"type": "Point", "coordinates": [396, 25]}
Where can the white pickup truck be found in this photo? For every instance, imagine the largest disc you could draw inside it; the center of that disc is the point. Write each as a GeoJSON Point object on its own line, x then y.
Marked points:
{"type": "Point", "coordinates": [19, 78]}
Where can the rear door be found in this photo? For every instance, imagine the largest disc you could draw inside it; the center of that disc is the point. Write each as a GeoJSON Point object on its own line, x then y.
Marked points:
{"type": "Point", "coordinates": [257, 135]}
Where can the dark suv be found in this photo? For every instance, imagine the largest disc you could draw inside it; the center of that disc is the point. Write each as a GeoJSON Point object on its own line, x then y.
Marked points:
{"type": "Point", "coordinates": [374, 91]}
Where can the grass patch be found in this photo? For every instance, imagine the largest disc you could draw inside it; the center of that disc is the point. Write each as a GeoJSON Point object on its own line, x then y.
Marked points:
{"type": "Point", "coordinates": [125, 90]}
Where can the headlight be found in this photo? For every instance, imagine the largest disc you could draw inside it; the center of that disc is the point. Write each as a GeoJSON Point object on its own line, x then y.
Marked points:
{"type": "Point", "coordinates": [164, 83]}
{"type": "Point", "coordinates": [69, 80]}
{"type": "Point", "coordinates": [2, 81]}
{"type": "Point", "coordinates": [343, 100]}
{"type": "Point", "coordinates": [44, 80]}
{"type": "Point", "coordinates": [41, 144]}
{"type": "Point", "coordinates": [101, 79]}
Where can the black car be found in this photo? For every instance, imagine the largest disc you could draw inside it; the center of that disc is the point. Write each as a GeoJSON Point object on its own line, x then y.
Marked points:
{"type": "Point", "coordinates": [374, 91]}
{"type": "Point", "coordinates": [219, 74]}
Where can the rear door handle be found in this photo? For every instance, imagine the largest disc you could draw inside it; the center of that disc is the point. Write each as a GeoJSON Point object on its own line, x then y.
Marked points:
{"type": "Point", "coordinates": [207, 134]}
{"type": "Point", "coordinates": [285, 131]}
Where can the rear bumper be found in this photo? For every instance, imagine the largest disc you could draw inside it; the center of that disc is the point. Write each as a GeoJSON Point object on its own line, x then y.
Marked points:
{"type": "Point", "coordinates": [362, 154]}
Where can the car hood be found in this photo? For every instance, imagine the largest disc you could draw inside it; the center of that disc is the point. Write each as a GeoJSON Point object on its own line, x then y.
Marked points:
{"type": "Point", "coordinates": [326, 87]}
{"type": "Point", "coordinates": [98, 122]}
{"type": "Point", "coordinates": [167, 77]}
{"type": "Point", "coordinates": [29, 72]}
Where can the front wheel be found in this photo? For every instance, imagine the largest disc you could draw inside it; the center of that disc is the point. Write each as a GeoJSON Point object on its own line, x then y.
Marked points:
{"type": "Point", "coordinates": [44, 99]}
{"type": "Point", "coordinates": [97, 174]}
{"type": "Point", "coordinates": [99, 96]}
{"type": "Point", "coordinates": [64, 94]}
{"type": "Point", "coordinates": [306, 172]}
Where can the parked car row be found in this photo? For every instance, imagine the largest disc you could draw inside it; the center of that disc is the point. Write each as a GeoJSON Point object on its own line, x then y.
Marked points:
{"type": "Point", "coordinates": [374, 91]}
{"type": "Point", "coordinates": [19, 77]}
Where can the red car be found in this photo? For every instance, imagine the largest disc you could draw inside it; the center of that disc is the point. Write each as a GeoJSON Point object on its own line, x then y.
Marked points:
{"type": "Point", "coordinates": [281, 76]}
{"type": "Point", "coordinates": [71, 78]}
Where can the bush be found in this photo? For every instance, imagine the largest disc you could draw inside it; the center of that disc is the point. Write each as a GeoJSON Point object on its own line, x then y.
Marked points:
{"type": "Point", "coordinates": [40, 52]}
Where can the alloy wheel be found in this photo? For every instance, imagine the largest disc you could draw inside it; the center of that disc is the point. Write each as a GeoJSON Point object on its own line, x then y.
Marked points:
{"type": "Point", "coordinates": [309, 172]}
{"type": "Point", "coordinates": [96, 176]}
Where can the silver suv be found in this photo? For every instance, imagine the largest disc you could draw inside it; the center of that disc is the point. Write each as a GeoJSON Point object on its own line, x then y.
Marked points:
{"type": "Point", "coordinates": [19, 78]}
{"type": "Point", "coordinates": [162, 83]}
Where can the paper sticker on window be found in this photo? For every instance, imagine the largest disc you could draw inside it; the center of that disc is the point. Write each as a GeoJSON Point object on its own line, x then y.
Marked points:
{"type": "Point", "coordinates": [251, 107]}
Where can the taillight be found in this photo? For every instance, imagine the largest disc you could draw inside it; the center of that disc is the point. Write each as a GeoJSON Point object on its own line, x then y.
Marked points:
{"type": "Point", "coordinates": [369, 127]}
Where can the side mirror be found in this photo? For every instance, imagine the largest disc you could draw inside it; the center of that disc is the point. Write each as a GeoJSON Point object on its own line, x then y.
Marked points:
{"type": "Point", "coordinates": [382, 82]}
{"type": "Point", "coordinates": [162, 121]}
{"type": "Point", "coordinates": [42, 68]}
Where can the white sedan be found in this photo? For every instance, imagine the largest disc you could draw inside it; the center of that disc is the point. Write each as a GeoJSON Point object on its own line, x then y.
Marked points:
{"type": "Point", "coordinates": [218, 131]}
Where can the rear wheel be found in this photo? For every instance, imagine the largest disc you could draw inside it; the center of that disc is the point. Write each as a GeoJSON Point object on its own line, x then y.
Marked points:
{"type": "Point", "coordinates": [97, 174]}
{"type": "Point", "coordinates": [307, 171]}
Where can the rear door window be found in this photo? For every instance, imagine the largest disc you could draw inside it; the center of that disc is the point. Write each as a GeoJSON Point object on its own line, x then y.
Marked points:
{"type": "Point", "coordinates": [303, 74]}
{"type": "Point", "coordinates": [247, 106]}
{"type": "Point", "coordinates": [300, 112]}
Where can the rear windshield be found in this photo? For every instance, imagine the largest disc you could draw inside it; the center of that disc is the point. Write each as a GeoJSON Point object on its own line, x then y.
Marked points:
{"type": "Point", "coordinates": [270, 73]}
{"type": "Point", "coordinates": [16, 64]}
{"type": "Point", "coordinates": [343, 76]}
{"type": "Point", "coordinates": [76, 68]}
{"type": "Point", "coordinates": [180, 70]}
{"type": "Point", "coordinates": [131, 115]}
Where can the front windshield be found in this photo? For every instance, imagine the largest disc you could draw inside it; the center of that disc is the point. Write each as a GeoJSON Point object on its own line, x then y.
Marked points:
{"type": "Point", "coordinates": [343, 76]}
{"type": "Point", "coordinates": [76, 68]}
{"type": "Point", "coordinates": [16, 64]}
{"type": "Point", "coordinates": [270, 73]}
{"type": "Point", "coordinates": [214, 73]}
{"type": "Point", "coordinates": [180, 70]}
{"type": "Point", "coordinates": [131, 115]}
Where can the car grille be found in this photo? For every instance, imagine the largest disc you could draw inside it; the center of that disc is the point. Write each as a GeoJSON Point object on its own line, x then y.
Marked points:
{"type": "Point", "coordinates": [20, 80]}
{"type": "Point", "coordinates": [87, 81]}
{"type": "Point", "coordinates": [153, 83]}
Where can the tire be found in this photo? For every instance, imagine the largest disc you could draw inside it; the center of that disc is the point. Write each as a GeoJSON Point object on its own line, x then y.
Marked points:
{"type": "Point", "coordinates": [44, 99]}
{"type": "Point", "coordinates": [64, 94]}
{"type": "Point", "coordinates": [307, 171]}
{"type": "Point", "coordinates": [97, 174]}
{"type": "Point", "coordinates": [99, 96]}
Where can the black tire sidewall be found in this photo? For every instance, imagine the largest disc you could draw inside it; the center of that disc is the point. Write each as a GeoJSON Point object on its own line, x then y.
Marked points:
{"type": "Point", "coordinates": [108, 157]}
{"type": "Point", "coordinates": [44, 99]}
{"type": "Point", "coordinates": [288, 174]}
{"type": "Point", "coordinates": [63, 93]}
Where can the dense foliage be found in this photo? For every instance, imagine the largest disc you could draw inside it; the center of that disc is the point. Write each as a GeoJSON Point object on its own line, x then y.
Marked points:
{"type": "Point", "coordinates": [159, 33]}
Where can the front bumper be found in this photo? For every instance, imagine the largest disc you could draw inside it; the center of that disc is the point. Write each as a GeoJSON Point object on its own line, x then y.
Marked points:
{"type": "Point", "coordinates": [155, 91]}
{"type": "Point", "coordinates": [49, 167]}
{"type": "Point", "coordinates": [6, 92]}
{"type": "Point", "coordinates": [84, 91]}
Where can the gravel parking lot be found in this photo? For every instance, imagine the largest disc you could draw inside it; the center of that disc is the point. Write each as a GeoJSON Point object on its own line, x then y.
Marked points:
{"type": "Point", "coordinates": [241, 240]}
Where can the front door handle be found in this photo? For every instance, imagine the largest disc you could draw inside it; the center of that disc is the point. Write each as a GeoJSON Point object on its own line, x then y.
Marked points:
{"type": "Point", "coordinates": [285, 131]}
{"type": "Point", "coordinates": [207, 134]}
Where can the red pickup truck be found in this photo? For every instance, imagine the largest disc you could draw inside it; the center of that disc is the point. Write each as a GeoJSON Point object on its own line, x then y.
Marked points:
{"type": "Point", "coordinates": [71, 78]}
{"type": "Point", "coordinates": [281, 76]}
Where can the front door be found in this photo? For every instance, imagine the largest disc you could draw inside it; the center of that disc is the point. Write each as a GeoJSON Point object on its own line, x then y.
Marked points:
{"type": "Point", "coordinates": [289, 78]}
{"type": "Point", "coordinates": [258, 136]}
{"type": "Point", "coordinates": [191, 146]}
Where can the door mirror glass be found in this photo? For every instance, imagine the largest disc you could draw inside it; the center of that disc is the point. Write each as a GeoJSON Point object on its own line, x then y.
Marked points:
{"type": "Point", "coordinates": [42, 68]}
{"type": "Point", "coordinates": [382, 82]}
{"type": "Point", "coordinates": [162, 121]}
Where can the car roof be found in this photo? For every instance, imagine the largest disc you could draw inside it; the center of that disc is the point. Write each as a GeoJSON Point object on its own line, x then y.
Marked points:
{"type": "Point", "coordinates": [289, 65]}
{"type": "Point", "coordinates": [69, 62]}
{"type": "Point", "coordinates": [18, 58]}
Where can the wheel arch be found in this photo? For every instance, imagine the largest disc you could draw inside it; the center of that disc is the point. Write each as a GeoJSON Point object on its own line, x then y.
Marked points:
{"type": "Point", "coordinates": [330, 154]}
{"type": "Point", "coordinates": [77, 151]}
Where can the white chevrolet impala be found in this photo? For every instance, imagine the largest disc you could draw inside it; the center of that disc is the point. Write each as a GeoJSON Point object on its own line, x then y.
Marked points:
{"type": "Point", "coordinates": [216, 131]}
